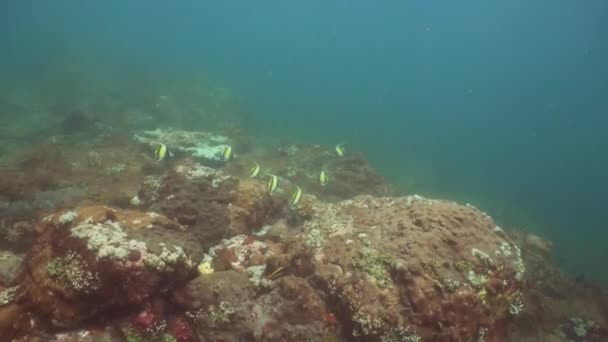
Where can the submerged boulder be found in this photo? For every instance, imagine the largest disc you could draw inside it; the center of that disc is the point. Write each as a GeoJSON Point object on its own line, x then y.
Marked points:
{"type": "Point", "coordinates": [95, 259]}
{"type": "Point", "coordinates": [364, 269]}
{"type": "Point", "coordinates": [223, 306]}
{"type": "Point", "coordinates": [212, 204]}
{"type": "Point", "coordinates": [415, 267]}
{"type": "Point", "coordinates": [369, 269]}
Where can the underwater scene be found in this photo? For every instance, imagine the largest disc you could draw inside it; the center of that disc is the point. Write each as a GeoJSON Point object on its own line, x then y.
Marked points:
{"type": "Point", "coordinates": [193, 171]}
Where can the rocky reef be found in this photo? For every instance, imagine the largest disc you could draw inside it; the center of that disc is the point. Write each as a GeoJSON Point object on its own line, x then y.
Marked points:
{"type": "Point", "coordinates": [196, 248]}
{"type": "Point", "coordinates": [415, 267]}
{"type": "Point", "coordinates": [204, 146]}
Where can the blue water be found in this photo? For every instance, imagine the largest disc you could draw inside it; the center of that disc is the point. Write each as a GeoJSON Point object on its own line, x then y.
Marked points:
{"type": "Point", "coordinates": [503, 104]}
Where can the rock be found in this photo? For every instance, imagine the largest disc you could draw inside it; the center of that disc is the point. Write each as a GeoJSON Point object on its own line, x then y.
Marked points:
{"type": "Point", "coordinates": [212, 289]}
{"type": "Point", "coordinates": [9, 266]}
{"type": "Point", "coordinates": [197, 197]}
{"type": "Point", "coordinates": [251, 207]}
{"type": "Point", "coordinates": [14, 317]}
{"type": "Point", "coordinates": [392, 268]}
{"type": "Point", "coordinates": [556, 304]}
{"type": "Point", "coordinates": [211, 203]}
{"type": "Point", "coordinates": [96, 259]}
{"type": "Point", "coordinates": [414, 267]}
{"type": "Point", "coordinates": [293, 311]}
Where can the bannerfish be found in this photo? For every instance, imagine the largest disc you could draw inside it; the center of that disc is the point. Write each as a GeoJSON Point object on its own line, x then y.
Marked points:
{"type": "Point", "coordinates": [254, 171]}
{"type": "Point", "coordinates": [160, 152]}
{"type": "Point", "coordinates": [273, 183]}
{"type": "Point", "coordinates": [296, 197]}
{"type": "Point", "coordinates": [323, 178]}
{"type": "Point", "coordinates": [227, 154]}
{"type": "Point", "coordinates": [340, 150]}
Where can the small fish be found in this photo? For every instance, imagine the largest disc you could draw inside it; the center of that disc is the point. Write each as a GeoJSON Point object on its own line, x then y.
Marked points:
{"type": "Point", "coordinates": [227, 154]}
{"type": "Point", "coordinates": [273, 183]}
{"type": "Point", "coordinates": [340, 150]}
{"type": "Point", "coordinates": [254, 171]}
{"type": "Point", "coordinates": [296, 197]}
{"type": "Point", "coordinates": [323, 178]}
{"type": "Point", "coordinates": [160, 152]}
{"type": "Point", "coordinates": [277, 273]}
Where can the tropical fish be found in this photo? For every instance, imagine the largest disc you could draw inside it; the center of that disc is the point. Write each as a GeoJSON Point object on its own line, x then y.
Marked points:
{"type": "Point", "coordinates": [277, 273]}
{"type": "Point", "coordinates": [227, 154]}
{"type": "Point", "coordinates": [273, 183]}
{"type": "Point", "coordinates": [254, 171]}
{"type": "Point", "coordinates": [296, 197]}
{"type": "Point", "coordinates": [160, 152]}
{"type": "Point", "coordinates": [340, 150]}
{"type": "Point", "coordinates": [323, 178]}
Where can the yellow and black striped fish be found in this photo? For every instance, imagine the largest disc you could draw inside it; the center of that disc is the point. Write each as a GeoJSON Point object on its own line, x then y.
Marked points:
{"type": "Point", "coordinates": [254, 171]}
{"type": "Point", "coordinates": [227, 154]}
{"type": "Point", "coordinates": [273, 183]}
{"type": "Point", "coordinates": [323, 178]}
{"type": "Point", "coordinates": [160, 152]}
{"type": "Point", "coordinates": [296, 197]}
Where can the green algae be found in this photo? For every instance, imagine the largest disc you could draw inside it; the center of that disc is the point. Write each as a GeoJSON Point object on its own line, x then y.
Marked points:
{"type": "Point", "coordinates": [376, 265]}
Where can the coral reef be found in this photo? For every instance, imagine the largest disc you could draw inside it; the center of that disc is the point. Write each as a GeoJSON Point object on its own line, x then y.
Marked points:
{"type": "Point", "coordinates": [121, 247]}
